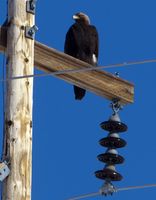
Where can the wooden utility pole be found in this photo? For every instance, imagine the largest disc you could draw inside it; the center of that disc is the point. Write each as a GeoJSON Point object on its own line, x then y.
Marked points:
{"type": "Point", "coordinates": [18, 107]}
{"type": "Point", "coordinates": [20, 53]}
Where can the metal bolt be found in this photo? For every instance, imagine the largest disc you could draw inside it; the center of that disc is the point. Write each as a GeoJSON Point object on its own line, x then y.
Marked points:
{"type": "Point", "coordinates": [117, 74]}
{"type": "Point", "coordinates": [32, 30]}
{"type": "Point", "coordinates": [26, 60]}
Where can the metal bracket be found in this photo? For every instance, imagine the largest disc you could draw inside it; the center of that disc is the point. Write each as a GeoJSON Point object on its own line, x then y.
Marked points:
{"type": "Point", "coordinates": [117, 74]}
{"type": "Point", "coordinates": [116, 106]}
{"type": "Point", "coordinates": [4, 170]}
{"type": "Point", "coordinates": [31, 6]}
{"type": "Point", "coordinates": [107, 189]}
{"type": "Point", "coordinates": [30, 32]}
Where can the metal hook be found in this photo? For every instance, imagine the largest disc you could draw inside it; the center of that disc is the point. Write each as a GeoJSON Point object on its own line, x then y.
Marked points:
{"type": "Point", "coordinates": [107, 188]}
{"type": "Point", "coordinates": [116, 106]}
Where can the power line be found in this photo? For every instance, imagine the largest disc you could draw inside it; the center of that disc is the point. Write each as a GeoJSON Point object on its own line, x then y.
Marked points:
{"type": "Point", "coordinates": [81, 70]}
{"type": "Point", "coordinates": [93, 194]}
{"type": "Point", "coordinates": [137, 187]}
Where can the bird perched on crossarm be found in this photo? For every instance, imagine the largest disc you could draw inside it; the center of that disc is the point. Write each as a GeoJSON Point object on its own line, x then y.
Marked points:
{"type": "Point", "coordinates": [82, 42]}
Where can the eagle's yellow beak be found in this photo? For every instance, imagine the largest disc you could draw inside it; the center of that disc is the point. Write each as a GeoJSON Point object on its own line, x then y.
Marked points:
{"type": "Point", "coordinates": [76, 17]}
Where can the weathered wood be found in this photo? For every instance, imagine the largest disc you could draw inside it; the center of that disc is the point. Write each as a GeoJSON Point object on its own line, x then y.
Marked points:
{"type": "Point", "coordinates": [100, 82]}
{"type": "Point", "coordinates": [18, 110]}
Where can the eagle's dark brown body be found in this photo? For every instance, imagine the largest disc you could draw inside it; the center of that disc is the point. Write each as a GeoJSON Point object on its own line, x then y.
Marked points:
{"type": "Point", "coordinates": [82, 43]}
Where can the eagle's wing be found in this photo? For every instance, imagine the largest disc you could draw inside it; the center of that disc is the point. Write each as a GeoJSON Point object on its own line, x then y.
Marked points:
{"type": "Point", "coordinates": [70, 44]}
{"type": "Point", "coordinates": [95, 40]}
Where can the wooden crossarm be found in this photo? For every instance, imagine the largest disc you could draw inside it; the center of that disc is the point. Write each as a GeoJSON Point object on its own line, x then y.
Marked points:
{"type": "Point", "coordinates": [99, 82]}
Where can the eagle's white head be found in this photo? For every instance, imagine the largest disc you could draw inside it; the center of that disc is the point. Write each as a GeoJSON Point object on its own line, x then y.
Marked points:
{"type": "Point", "coordinates": [81, 17]}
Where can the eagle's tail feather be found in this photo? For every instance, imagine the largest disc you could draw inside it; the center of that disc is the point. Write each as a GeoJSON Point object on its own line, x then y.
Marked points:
{"type": "Point", "coordinates": [79, 92]}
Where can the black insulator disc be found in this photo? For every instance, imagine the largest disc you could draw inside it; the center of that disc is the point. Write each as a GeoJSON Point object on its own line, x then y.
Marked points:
{"type": "Point", "coordinates": [112, 142]}
{"type": "Point", "coordinates": [114, 126]}
{"type": "Point", "coordinates": [108, 174]}
{"type": "Point", "coordinates": [110, 158]}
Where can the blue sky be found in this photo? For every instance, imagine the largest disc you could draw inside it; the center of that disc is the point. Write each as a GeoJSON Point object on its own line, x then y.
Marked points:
{"type": "Point", "coordinates": [66, 132]}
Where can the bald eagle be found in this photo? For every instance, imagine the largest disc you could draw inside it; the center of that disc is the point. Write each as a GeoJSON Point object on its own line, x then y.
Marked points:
{"type": "Point", "coordinates": [82, 42]}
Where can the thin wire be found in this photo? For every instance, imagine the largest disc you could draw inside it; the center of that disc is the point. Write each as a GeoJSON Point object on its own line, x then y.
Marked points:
{"type": "Point", "coordinates": [86, 196]}
{"type": "Point", "coordinates": [137, 187]}
{"type": "Point", "coordinates": [118, 189]}
{"type": "Point", "coordinates": [81, 70]}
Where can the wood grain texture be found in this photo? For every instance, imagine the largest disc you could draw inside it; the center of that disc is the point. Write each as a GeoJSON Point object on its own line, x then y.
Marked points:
{"type": "Point", "coordinates": [100, 82]}
{"type": "Point", "coordinates": [18, 110]}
